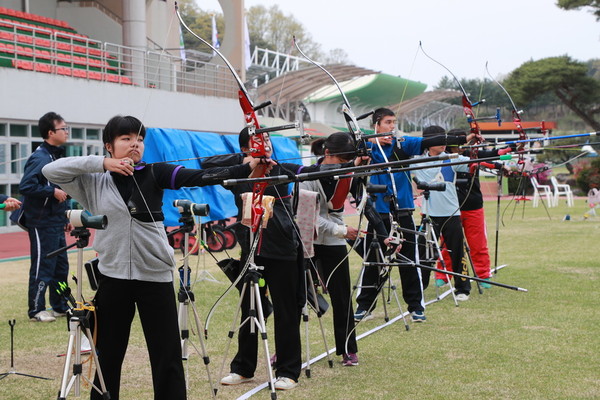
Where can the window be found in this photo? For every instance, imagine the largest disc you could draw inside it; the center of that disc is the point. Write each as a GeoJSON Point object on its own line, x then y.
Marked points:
{"type": "Point", "coordinates": [74, 150]}
{"type": "Point", "coordinates": [19, 152]}
{"type": "Point", "coordinates": [14, 191]}
{"type": "Point", "coordinates": [93, 134]}
{"type": "Point", "coordinates": [18, 130]}
{"type": "Point", "coordinates": [94, 150]}
{"type": "Point", "coordinates": [2, 160]}
{"type": "Point", "coordinates": [76, 133]}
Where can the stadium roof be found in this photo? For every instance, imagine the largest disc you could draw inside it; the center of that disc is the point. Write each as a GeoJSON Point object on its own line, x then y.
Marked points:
{"type": "Point", "coordinates": [375, 90]}
{"type": "Point", "coordinates": [362, 87]}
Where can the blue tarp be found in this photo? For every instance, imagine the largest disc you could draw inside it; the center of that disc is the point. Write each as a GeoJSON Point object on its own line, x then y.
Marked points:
{"type": "Point", "coordinates": [174, 144]}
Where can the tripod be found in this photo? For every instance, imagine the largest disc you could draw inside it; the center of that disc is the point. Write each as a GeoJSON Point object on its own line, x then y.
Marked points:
{"type": "Point", "coordinates": [204, 274]}
{"type": "Point", "coordinates": [385, 280]}
{"type": "Point", "coordinates": [255, 319]}
{"type": "Point", "coordinates": [79, 314]}
{"type": "Point", "coordinates": [12, 371]}
{"type": "Point", "coordinates": [432, 248]}
{"type": "Point", "coordinates": [185, 296]}
{"type": "Point", "coordinates": [311, 293]}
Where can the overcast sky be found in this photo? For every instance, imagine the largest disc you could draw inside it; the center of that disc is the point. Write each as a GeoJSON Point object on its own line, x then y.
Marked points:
{"type": "Point", "coordinates": [462, 34]}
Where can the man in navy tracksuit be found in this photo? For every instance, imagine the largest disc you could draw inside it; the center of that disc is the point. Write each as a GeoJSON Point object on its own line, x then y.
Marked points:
{"type": "Point", "coordinates": [44, 209]}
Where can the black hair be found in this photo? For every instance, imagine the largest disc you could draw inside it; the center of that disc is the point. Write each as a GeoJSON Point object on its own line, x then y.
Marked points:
{"type": "Point", "coordinates": [379, 113]}
{"type": "Point", "coordinates": [122, 125]}
{"type": "Point", "coordinates": [433, 130]}
{"type": "Point", "coordinates": [457, 132]}
{"type": "Point", "coordinates": [338, 143]}
{"type": "Point", "coordinates": [48, 123]}
{"type": "Point", "coordinates": [244, 137]}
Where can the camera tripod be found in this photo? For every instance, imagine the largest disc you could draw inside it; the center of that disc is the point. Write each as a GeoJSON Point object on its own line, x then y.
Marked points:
{"type": "Point", "coordinates": [185, 296]}
{"type": "Point", "coordinates": [12, 371]}
{"type": "Point", "coordinates": [311, 294]}
{"type": "Point", "coordinates": [79, 323]}
{"type": "Point", "coordinates": [256, 319]}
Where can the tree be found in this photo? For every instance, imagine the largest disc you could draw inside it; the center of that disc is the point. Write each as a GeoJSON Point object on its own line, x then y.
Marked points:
{"type": "Point", "coordinates": [579, 4]}
{"type": "Point", "coordinates": [268, 28]}
{"type": "Point", "coordinates": [562, 77]}
{"type": "Point", "coordinates": [200, 22]}
{"type": "Point", "coordinates": [272, 29]}
{"type": "Point", "coordinates": [564, 151]}
{"type": "Point", "coordinates": [477, 89]}
{"type": "Point", "coordinates": [337, 56]}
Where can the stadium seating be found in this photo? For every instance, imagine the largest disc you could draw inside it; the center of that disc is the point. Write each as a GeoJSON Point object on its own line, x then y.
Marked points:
{"type": "Point", "coordinates": [36, 43]}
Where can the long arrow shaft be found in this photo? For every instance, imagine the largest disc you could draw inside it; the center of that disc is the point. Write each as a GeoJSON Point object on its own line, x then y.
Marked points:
{"type": "Point", "coordinates": [473, 278]}
{"type": "Point", "coordinates": [414, 168]}
{"type": "Point", "coordinates": [324, 174]}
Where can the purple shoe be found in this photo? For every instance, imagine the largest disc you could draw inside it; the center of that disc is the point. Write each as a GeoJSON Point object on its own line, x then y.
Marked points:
{"type": "Point", "coordinates": [350, 360]}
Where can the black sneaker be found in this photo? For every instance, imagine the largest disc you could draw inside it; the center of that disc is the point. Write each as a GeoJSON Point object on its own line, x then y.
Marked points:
{"type": "Point", "coordinates": [418, 316]}
{"type": "Point", "coordinates": [362, 315]}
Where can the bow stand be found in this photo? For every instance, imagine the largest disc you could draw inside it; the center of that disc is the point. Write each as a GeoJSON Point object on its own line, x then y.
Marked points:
{"type": "Point", "coordinates": [79, 311]}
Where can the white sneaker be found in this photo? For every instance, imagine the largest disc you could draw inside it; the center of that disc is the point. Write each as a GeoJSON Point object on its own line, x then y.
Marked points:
{"type": "Point", "coordinates": [57, 314]}
{"type": "Point", "coordinates": [283, 383]}
{"type": "Point", "coordinates": [462, 297]}
{"type": "Point", "coordinates": [43, 316]}
{"type": "Point", "coordinates": [234, 379]}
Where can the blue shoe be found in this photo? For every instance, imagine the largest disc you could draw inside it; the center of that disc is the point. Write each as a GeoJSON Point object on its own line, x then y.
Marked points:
{"type": "Point", "coordinates": [485, 285]}
{"type": "Point", "coordinates": [440, 282]}
{"type": "Point", "coordinates": [418, 316]}
{"type": "Point", "coordinates": [362, 315]}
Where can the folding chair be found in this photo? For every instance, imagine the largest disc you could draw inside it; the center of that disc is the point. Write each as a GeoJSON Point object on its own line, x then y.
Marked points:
{"type": "Point", "coordinates": [560, 189]}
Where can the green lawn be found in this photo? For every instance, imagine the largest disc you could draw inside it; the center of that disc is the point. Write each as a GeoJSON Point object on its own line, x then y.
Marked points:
{"type": "Point", "coordinates": [502, 344]}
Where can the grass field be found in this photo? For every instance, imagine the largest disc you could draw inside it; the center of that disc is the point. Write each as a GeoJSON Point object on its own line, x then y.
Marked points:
{"type": "Point", "coordinates": [503, 344]}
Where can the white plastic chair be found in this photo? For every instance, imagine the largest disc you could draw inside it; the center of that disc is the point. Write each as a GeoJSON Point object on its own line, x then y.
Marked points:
{"type": "Point", "coordinates": [560, 189]}
{"type": "Point", "coordinates": [539, 191]}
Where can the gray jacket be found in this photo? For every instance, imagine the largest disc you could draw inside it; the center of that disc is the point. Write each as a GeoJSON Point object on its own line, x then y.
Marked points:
{"type": "Point", "coordinates": [127, 248]}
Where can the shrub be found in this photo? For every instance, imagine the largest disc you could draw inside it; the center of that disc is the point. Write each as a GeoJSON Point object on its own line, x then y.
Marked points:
{"type": "Point", "coordinates": [587, 174]}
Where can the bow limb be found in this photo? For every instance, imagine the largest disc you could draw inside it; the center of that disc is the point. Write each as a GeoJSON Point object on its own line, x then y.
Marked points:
{"type": "Point", "coordinates": [467, 105]}
{"type": "Point", "coordinates": [257, 148]}
{"type": "Point", "coordinates": [355, 131]}
{"type": "Point", "coordinates": [349, 116]}
{"type": "Point", "coordinates": [516, 116]}
{"type": "Point", "coordinates": [516, 113]}
{"type": "Point", "coordinates": [257, 141]}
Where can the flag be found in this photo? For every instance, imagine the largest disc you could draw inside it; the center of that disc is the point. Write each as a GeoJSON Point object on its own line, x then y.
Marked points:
{"type": "Point", "coordinates": [181, 45]}
{"type": "Point", "coordinates": [215, 34]}
{"type": "Point", "coordinates": [247, 55]}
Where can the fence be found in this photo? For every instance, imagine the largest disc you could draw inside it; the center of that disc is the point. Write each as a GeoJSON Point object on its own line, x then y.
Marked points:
{"type": "Point", "coordinates": [51, 51]}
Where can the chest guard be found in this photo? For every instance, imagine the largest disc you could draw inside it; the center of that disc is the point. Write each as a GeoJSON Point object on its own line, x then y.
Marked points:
{"type": "Point", "coordinates": [151, 208]}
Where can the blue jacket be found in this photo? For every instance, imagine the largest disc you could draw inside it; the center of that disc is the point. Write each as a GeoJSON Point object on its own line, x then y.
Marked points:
{"type": "Point", "coordinates": [396, 151]}
{"type": "Point", "coordinates": [40, 208]}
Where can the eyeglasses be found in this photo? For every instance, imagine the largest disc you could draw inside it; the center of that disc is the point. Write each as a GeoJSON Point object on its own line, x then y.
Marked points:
{"type": "Point", "coordinates": [64, 128]}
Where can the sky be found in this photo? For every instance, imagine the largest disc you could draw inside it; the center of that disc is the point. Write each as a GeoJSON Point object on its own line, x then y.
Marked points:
{"type": "Point", "coordinates": [384, 35]}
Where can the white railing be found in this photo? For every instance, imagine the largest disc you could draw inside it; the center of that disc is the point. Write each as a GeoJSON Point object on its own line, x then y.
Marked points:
{"type": "Point", "coordinates": [278, 63]}
{"type": "Point", "coordinates": [62, 53]}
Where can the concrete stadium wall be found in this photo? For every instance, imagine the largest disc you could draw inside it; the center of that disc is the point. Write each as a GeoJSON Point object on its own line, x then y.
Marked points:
{"type": "Point", "coordinates": [27, 95]}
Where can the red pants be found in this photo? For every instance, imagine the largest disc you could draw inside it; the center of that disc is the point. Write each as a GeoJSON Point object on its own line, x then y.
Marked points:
{"type": "Point", "coordinates": [473, 222]}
